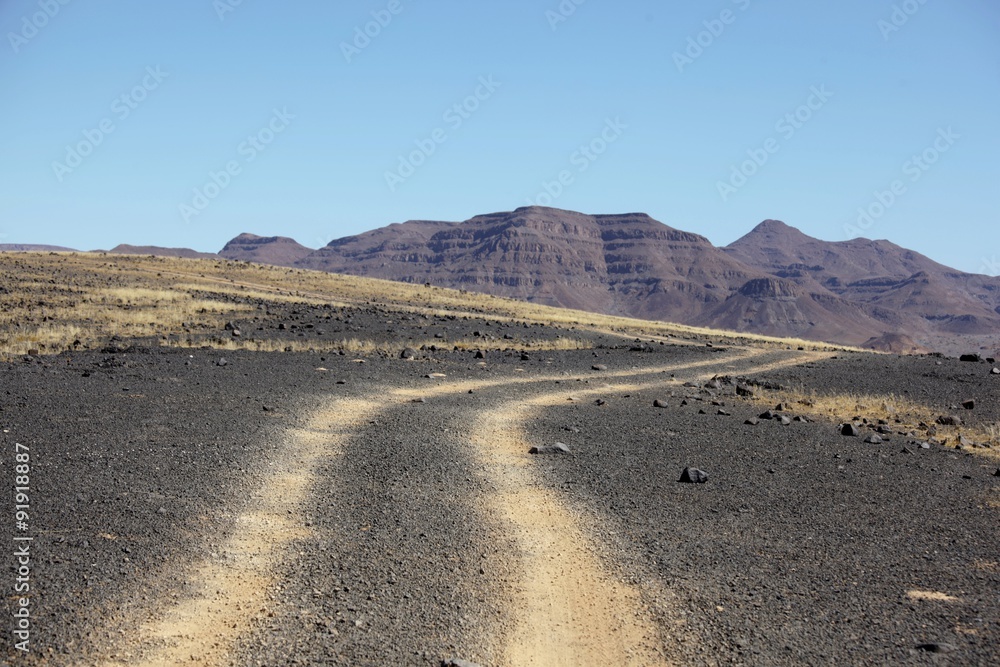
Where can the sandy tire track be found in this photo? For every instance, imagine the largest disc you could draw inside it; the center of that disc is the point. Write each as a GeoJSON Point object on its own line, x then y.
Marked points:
{"type": "Point", "coordinates": [201, 629]}
{"type": "Point", "coordinates": [569, 609]}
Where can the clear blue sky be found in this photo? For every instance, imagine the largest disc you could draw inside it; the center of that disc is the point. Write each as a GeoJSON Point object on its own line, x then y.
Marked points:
{"type": "Point", "coordinates": [665, 132]}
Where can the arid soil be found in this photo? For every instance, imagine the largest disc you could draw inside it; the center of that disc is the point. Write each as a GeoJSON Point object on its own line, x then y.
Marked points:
{"type": "Point", "coordinates": [249, 508]}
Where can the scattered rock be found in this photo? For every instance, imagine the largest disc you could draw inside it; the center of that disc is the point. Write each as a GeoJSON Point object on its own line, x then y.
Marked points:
{"type": "Point", "coordinates": [557, 448]}
{"type": "Point", "coordinates": [995, 371]}
{"type": "Point", "coordinates": [768, 415]}
{"type": "Point", "coordinates": [935, 647]}
{"type": "Point", "coordinates": [458, 662]}
{"type": "Point", "coordinates": [970, 357]}
{"type": "Point", "coordinates": [599, 367]}
{"type": "Point", "coordinates": [221, 362]}
{"type": "Point", "coordinates": [525, 357]}
{"type": "Point", "coordinates": [850, 429]}
{"type": "Point", "coordinates": [743, 390]}
{"type": "Point", "coordinates": [408, 353]}
{"type": "Point", "coordinates": [874, 439]}
{"type": "Point", "coordinates": [420, 399]}
{"type": "Point", "coordinates": [801, 419]}
{"type": "Point", "coordinates": [600, 401]}
{"type": "Point", "coordinates": [659, 403]}
{"type": "Point", "coordinates": [693, 476]}
{"type": "Point", "coordinates": [753, 421]}
{"type": "Point", "coordinates": [997, 473]}
{"type": "Point", "coordinates": [231, 326]}
{"type": "Point", "coordinates": [33, 352]}
{"type": "Point", "coordinates": [479, 354]}
{"type": "Point", "coordinates": [949, 420]}
{"type": "Point", "coordinates": [722, 412]}
{"type": "Point", "coordinates": [784, 420]}
{"type": "Point", "coordinates": [969, 404]}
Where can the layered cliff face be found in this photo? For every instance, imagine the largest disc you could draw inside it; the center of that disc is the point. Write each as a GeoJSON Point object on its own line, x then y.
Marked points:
{"type": "Point", "coordinates": [622, 264]}
{"type": "Point", "coordinates": [775, 280]}
{"type": "Point", "coordinates": [277, 250]}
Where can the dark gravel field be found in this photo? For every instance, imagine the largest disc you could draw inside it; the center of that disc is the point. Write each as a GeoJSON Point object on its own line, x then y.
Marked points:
{"type": "Point", "coordinates": [388, 511]}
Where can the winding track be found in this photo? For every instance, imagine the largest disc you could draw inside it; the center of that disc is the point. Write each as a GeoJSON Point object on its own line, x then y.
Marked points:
{"type": "Point", "coordinates": [565, 608]}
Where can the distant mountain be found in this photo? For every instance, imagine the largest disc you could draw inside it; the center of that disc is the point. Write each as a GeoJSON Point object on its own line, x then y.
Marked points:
{"type": "Point", "coordinates": [775, 280]}
{"type": "Point", "coordinates": [186, 253]}
{"type": "Point", "coordinates": [620, 264]}
{"type": "Point", "coordinates": [32, 247]}
{"type": "Point", "coordinates": [277, 250]}
{"type": "Point", "coordinates": [901, 288]}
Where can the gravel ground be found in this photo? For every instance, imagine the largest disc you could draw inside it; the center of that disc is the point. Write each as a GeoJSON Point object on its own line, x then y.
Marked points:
{"type": "Point", "coordinates": [800, 549]}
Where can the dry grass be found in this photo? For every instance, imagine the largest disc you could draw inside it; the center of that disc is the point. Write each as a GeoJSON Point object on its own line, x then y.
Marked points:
{"type": "Point", "coordinates": [902, 414]}
{"type": "Point", "coordinates": [57, 301]}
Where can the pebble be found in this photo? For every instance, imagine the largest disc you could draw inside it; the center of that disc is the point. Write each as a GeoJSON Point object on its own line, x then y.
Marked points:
{"type": "Point", "coordinates": [693, 476]}
{"type": "Point", "coordinates": [557, 448]}
{"type": "Point", "coordinates": [849, 429]}
{"type": "Point", "coordinates": [659, 403]}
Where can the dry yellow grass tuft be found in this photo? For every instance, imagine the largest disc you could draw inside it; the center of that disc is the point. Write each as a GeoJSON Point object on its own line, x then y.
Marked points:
{"type": "Point", "coordinates": [902, 415]}
{"type": "Point", "coordinates": [57, 301]}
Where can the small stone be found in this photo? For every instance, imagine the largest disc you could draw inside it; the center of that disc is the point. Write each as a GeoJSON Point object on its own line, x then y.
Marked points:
{"type": "Point", "coordinates": [408, 353]}
{"type": "Point", "coordinates": [969, 404]}
{"type": "Point", "coordinates": [949, 420]}
{"type": "Point", "coordinates": [33, 352]}
{"type": "Point", "coordinates": [458, 662]}
{"type": "Point", "coordinates": [780, 407]}
{"type": "Point", "coordinates": [970, 357]}
{"type": "Point", "coordinates": [479, 355]}
{"type": "Point", "coordinates": [221, 362]}
{"type": "Point", "coordinates": [925, 445]}
{"type": "Point", "coordinates": [557, 448]}
{"type": "Point", "coordinates": [801, 419]}
{"type": "Point", "coordinates": [600, 401]}
{"type": "Point", "coordinates": [997, 473]}
{"type": "Point", "coordinates": [659, 403]}
{"type": "Point", "coordinates": [722, 412]}
{"type": "Point", "coordinates": [693, 476]}
{"type": "Point", "coordinates": [525, 357]}
{"type": "Point", "coordinates": [784, 420]}
{"type": "Point", "coordinates": [231, 326]}
{"type": "Point", "coordinates": [849, 429]}
{"type": "Point", "coordinates": [874, 439]}
{"type": "Point", "coordinates": [599, 367]}
{"type": "Point", "coordinates": [995, 371]}
{"type": "Point", "coordinates": [743, 390]}
{"type": "Point", "coordinates": [421, 399]}
{"type": "Point", "coordinates": [768, 415]}
{"type": "Point", "coordinates": [935, 647]}
{"type": "Point", "coordinates": [753, 421]}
